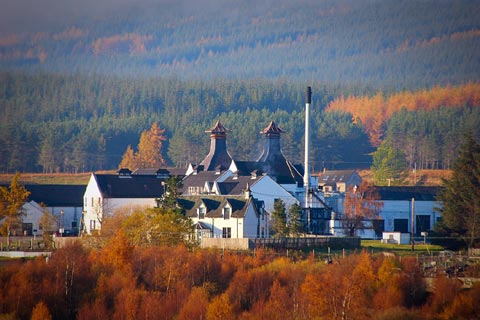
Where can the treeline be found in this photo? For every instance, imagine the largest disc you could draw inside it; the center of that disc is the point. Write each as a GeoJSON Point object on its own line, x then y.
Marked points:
{"type": "Point", "coordinates": [82, 123]}
{"type": "Point", "coordinates": [57, 123]}
{"type": "Point", "coordinates": [122, 281]}
{"type": "Point", "coordinates": [425, 126]}
{"type": "Point", "coordinates": [388, 45]}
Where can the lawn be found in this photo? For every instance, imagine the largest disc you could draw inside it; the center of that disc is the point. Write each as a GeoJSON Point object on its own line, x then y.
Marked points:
{"type": "Point", "coordinates": [400, 249]}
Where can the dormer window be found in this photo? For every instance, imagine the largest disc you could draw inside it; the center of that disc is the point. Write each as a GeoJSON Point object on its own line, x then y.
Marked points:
{"type": "Point", "coordinates": [226, 213]}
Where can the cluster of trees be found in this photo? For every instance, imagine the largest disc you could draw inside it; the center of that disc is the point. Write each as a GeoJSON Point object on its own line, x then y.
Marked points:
{"type": "Point", "coordinates": [149, 154]}
{"type": "Point", "coordinates": [55, 123]}
{"type": "Point", "coordinates": [286, 223]}
{"type": "Point", "coordinates": [460, 196]}
{"type": "Point", "coordinates": [126, 281]}
{"type": "Point", "coordinates": [384, 45]}
{"type": "Point", "coordinates": [79, 123]}
{"type": "Point", "coordinates": [376, 111]}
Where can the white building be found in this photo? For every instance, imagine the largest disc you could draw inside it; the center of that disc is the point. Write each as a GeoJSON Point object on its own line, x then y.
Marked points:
{"type": "Point", "coordinates": [63, 202]}
{"type": "Point", "coordinates": [400, 204]}
{"type": "Point", "coordinates": [269, 178]}
{"type": "Point", "coordinates": [106, 193]}
{"type": "Point", "coordinates": [226, 216]}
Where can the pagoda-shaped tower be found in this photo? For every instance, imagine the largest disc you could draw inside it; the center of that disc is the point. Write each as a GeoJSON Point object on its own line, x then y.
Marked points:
{"type": "Point", "coordinates": [218, 157]}
{"type": "Point", "coordinates": [272, 160]}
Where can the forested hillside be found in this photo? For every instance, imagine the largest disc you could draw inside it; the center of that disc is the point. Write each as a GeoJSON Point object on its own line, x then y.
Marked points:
{"type": "Point", "coordinates": [54, 123]}
{"type": "Point", "coordinates": [389, 44]}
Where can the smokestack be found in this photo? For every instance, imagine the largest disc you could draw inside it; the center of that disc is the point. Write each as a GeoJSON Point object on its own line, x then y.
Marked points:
{"type": "Point", "coordinates": [306, 176]}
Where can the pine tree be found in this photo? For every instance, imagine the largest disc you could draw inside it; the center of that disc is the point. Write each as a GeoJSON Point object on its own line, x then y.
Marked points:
{"type": "Point", "coordinates": [460, 196]}
{"type": "Point", "coordinates": [279, 217]}
{"type": "Point", "coordinates": [388, 165]}
{"type": "Point", "coordinates": [294, 220]}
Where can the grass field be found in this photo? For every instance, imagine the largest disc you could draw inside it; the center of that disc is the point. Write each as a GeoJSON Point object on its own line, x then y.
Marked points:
{"type": "Point", "coordinates": [400, 249]}
{"type": "Point", "coordinates": [53, 178]}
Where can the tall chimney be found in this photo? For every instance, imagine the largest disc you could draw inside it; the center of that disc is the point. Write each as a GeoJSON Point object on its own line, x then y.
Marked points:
{"type": "Point", "coordinates": [306, 176]}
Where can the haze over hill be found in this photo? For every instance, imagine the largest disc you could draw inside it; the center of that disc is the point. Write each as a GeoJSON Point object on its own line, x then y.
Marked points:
{"type": "Point", "coordinates": [388, 45]}
{"type": "Point", "coordinates": [81, 80]}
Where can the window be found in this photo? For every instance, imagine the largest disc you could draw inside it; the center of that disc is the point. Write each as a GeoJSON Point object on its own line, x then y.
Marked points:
{"type": "Point", "coordinates": [400, 225]}
{"type": "Point", "coordinates": [85, 202]}
{"type": "Point", "coordinates": [201, 213]}
{"type": "Point", "coordinates": [226, 232]}
{"type": "Point", "coordinates": [92, 224]}
{"type": "Point", "coordinates": [226, 213]}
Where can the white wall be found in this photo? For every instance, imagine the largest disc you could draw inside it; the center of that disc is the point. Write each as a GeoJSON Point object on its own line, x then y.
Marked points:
{"type": "Point", "coordinates": [240, 227]}
{"type": "Point", "coordinates": [268, 190]}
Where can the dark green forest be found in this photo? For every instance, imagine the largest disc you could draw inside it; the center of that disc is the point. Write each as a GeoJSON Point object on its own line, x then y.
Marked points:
{"type": "Point", "coordinates": [55, 123]}
{"type": "Point", "coordinates": [81, 123]}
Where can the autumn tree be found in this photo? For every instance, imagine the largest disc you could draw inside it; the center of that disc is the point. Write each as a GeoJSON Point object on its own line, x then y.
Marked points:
{"type": "Point", "coordinates": [460, 196]}
{"type": "Point", "coordinates": [150, 147]}
{"type": "Point", "coordinates": [128, 159]}
{"type": "Point", "coordinates": [361, 207]}
{"type": "Point", "coordinates": [149, 154]}
{"type": "Point", "coordinates": [12, 199]}
{"type": "Point", "coordinates": [41, 312]}
{"type": "Point", "coordinates": [157, 226]}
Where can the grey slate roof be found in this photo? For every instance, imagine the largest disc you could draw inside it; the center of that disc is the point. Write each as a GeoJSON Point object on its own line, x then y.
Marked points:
{"type": "Point", "coordinates": [198, 179]}
{"type": "Point", "coordinates": [214, 205]}
{"type": "Point", "coordinates": [236, 186]}
{"type": "Point", "coordinates": [133, 186]}
{"type": "Point", "coordinates": [334, 176]}
{"type": "Point", "coordinates": [420, 193]}
{"type": "Point", "coordinates": [56, 195]}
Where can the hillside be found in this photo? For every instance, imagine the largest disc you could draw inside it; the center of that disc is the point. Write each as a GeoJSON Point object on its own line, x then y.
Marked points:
{"type": "Point", "coordinates": [389, 45]}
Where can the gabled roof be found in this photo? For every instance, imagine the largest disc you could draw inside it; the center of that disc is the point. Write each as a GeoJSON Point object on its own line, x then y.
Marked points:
{"type": "Point", "coordinates": [56, 195]}
{"type": "Point", "coordinates": [199, 179]}
{"type": "Point", "coordinates": [135, 186]}
{"type": "Point", "coordinates": [334, 176]}
{"type": "Point", "coordinates": [419, 193]}
{"type": "Point", "coordinates": [214, 205]}
{"type": "Point", "coordinates": [278, 168]}
{"type": "Point", "coordinates": [246, 168]}
{"type": "Point", "coordinates": [236, 185]}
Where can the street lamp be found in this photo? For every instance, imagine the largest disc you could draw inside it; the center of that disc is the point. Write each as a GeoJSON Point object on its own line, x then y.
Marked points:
{"type": "Point", "coordinates": [62, 222]}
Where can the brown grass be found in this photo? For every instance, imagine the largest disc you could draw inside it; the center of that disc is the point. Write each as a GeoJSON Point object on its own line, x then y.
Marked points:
{"type": "Point", "coordinates": [422, 177]}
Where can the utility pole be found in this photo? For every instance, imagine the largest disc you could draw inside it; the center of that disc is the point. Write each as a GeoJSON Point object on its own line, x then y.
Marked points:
{"type": "Point", "coordinates": [412, 225]}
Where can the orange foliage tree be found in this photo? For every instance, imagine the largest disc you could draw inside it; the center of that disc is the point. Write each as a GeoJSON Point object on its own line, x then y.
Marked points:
{"type": "Point", "coordinates": [374, 111]}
